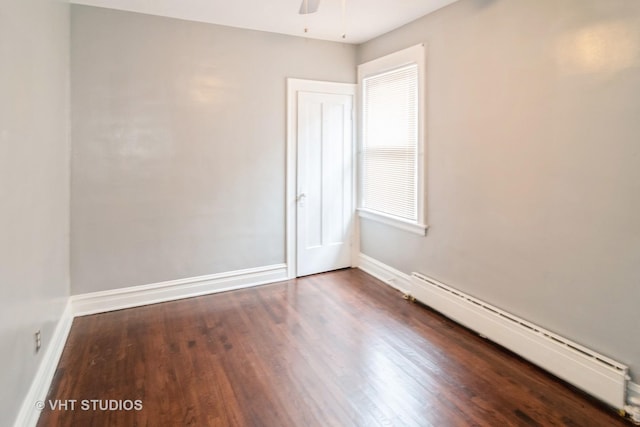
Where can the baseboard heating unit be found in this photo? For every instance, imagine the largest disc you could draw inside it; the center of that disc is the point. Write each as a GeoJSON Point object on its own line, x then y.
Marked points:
{"type": "Point", "coordinates": [594, 373]}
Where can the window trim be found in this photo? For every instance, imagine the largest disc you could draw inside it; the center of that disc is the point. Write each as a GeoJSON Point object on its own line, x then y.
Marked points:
{"type": "Point", "coordinates": [412, 55]}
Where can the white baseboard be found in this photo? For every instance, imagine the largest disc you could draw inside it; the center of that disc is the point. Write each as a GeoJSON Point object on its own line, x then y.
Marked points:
{"type": "Point", "coordinates": [29, 415]}
{"type": "Point", "coordinates": [100, 302]}
{"type": "Point", "coordinates": [389, 275]}
{"type": "Point", "coordinates": [117, 299]}
{"type": "Point", "coordinates": [594, 373]}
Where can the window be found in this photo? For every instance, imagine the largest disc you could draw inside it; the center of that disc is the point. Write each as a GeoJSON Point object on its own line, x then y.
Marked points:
{"type": "Point", "coordinates": [392, 146]}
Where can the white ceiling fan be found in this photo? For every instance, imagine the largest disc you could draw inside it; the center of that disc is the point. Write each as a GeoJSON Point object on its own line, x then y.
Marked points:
{"type": "Point", "coordinates": [309, 6]}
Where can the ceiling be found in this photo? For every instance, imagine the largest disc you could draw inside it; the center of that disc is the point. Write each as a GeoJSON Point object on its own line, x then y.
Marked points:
{"type": "Point", "coordinates": [365, 19]}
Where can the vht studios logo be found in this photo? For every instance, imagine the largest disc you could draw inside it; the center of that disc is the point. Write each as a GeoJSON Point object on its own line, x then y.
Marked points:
{"type": "Point", "coordinates": [90, 405]}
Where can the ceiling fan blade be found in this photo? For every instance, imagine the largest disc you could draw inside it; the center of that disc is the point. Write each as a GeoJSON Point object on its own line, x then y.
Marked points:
{"type": "Point", "coordinates": [309, 6]}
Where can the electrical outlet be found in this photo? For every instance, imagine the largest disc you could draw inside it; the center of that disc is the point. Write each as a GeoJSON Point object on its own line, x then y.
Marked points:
{"type": "Point", "coordinates": [38, 337]}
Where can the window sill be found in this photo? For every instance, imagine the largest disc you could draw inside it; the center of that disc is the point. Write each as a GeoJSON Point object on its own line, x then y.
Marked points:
{"type": "Point", "coordinates": [412, 227]}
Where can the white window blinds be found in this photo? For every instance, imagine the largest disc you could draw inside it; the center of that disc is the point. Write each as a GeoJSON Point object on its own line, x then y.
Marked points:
{"type": "Point", "coordinates": [390, 143]}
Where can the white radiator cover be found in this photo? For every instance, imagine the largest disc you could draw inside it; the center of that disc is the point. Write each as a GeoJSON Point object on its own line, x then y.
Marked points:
{"type": "Point", "coordinates": [594, 373]}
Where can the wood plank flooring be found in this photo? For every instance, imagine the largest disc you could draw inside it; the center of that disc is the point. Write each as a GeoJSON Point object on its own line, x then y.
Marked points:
{"type": "Point", "coordinates": [336, 349]}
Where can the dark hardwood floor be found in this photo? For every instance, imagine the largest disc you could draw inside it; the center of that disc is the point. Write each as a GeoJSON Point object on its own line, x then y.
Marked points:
{"type": "Point", "coordinates": [336, 349]}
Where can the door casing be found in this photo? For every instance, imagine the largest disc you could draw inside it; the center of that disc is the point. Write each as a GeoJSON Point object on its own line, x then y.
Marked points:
{"type": "Point", "coordinates": [293, 87]}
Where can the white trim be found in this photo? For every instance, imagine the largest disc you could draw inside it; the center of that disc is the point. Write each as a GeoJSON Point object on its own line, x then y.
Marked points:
{"type": "Point", "coordinates": [355, 241]}
{"type": "Point", "coordinates": [412, 227]}
{"type": "Point", "coordinates": [546, 344]}
{"type": "Point", "coordinates": [355, 230]}
{"type": "Point", "coordinates": [586, 369]}
{"type": "Point", "coordinates": [29, 415]}
{"type": "Point", "coordinates": [117, 299]}
{"type": "Point", "coordinates": [100, 302]}
{"type": "Point", "coordinates": [596, 374]}
{"type": "Point", "coordinates": [389, 275]}
{"type": "Point", "coordinates": [293, 87]}
{"type": "Point", "coordinates": [391, 61]}
{"type": "Point", "coordinates": [412, 55]}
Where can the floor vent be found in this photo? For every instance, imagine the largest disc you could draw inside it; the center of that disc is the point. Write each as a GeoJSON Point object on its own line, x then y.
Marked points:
{"type": "Point", "coordinates": [592, 372]}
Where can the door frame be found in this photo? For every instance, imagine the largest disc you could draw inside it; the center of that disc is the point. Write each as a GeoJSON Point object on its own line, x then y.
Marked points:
{"type": "Point", "coordinates": [291, 239]}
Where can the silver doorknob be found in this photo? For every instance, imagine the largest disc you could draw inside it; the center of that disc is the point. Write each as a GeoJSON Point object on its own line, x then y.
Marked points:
{"type": "Point", "coordinates": [300, 197]}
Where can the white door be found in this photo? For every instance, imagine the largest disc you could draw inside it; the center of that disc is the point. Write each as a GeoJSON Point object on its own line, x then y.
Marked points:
{"type": "Point", "coordinates": [324, 197]}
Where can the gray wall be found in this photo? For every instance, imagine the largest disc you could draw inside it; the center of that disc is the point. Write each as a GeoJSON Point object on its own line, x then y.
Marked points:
{"type": "Point", "coordinates": [533, 127]}
{"type": "Point", "coordinates": [34, 187]}
{"type": "Point", "coordinates": [178, 158]}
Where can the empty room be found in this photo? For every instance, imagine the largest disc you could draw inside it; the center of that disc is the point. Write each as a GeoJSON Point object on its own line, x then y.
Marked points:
{"type": "Point", "coordinates": [320, 213]}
